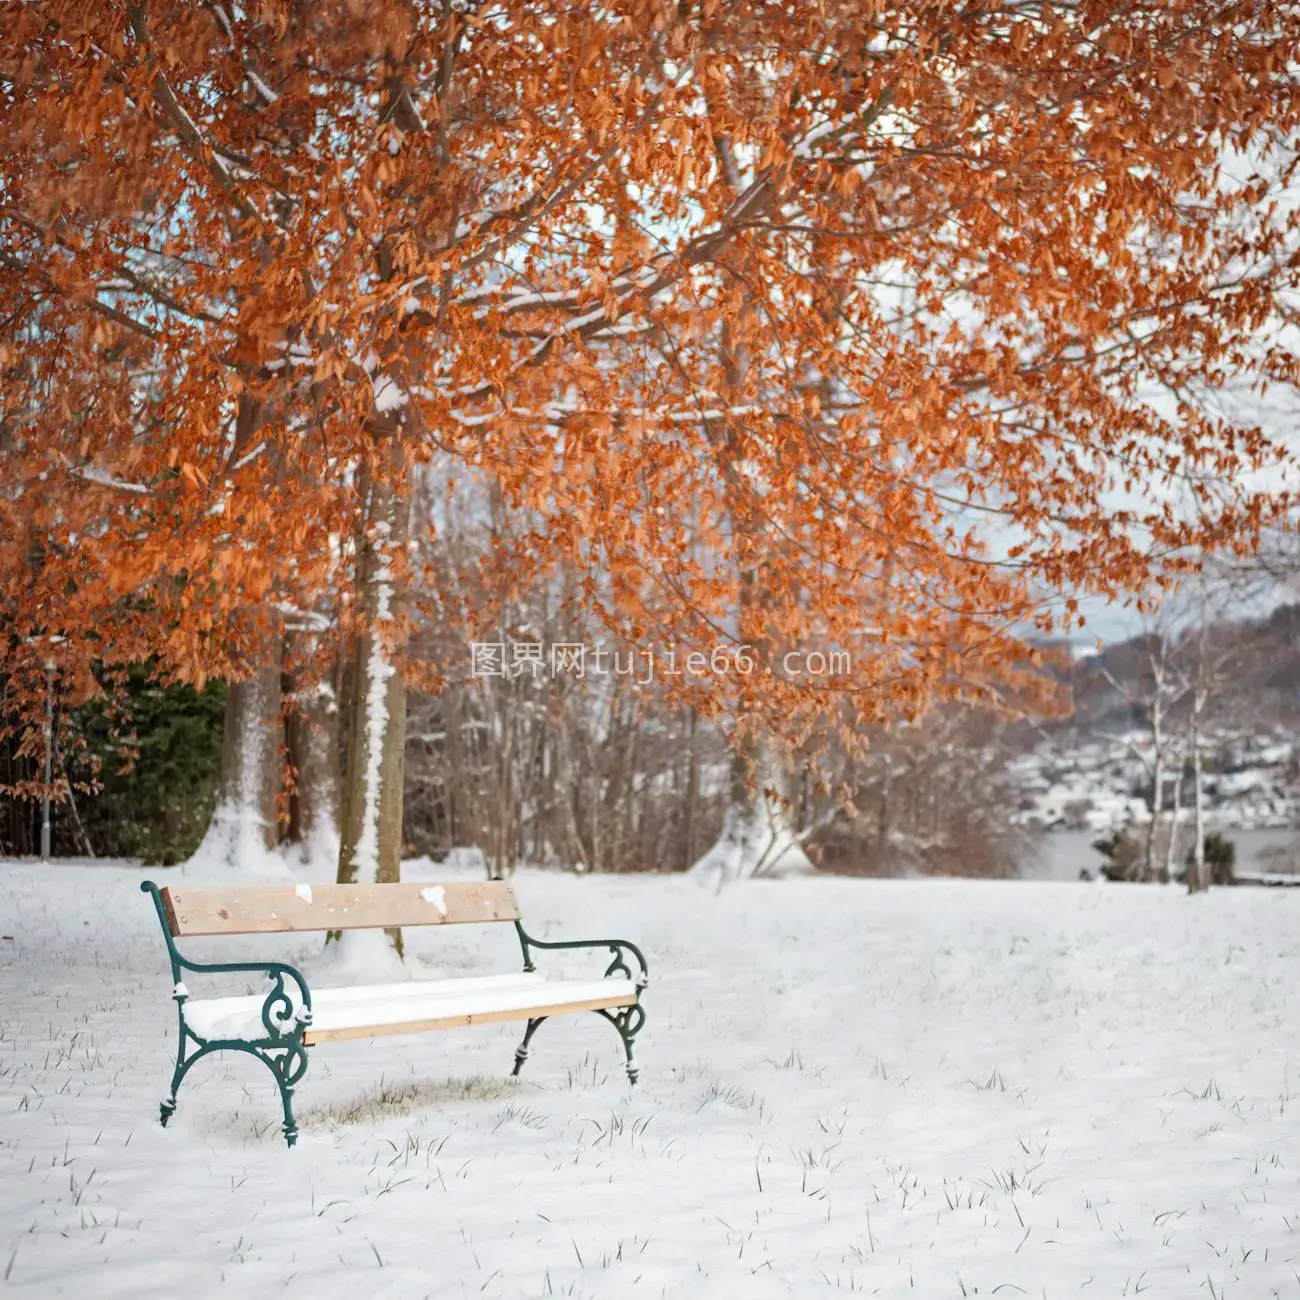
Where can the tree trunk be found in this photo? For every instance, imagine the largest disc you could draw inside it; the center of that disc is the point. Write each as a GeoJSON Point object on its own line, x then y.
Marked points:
{"type": "Point", "coordinates": [884, 824]}
{"type": "Point", "coordinates": [756, 838]}
{"type": "Point", "coordinates": [245, 826]}
{"type": "Point", "coordinates": [501, 835]}
{"type": "Point", "coordinates": [575, 856]}
{"type": "Point", "coordinates": [311, 732]}
{"type": "Point", "coordinates": [692, 786]}
{"type": "Point", "coordinates": [1197, 877]}
{"type": "Point", "coordinates": [1171, 845]}
{"type": "Point", "coordinates": [1157, 790]}
{"type": "Point", "coordinates": [371, 847]}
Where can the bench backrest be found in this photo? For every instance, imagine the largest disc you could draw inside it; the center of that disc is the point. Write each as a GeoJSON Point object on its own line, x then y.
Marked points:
{"type": "Point", "coordinates": [275, 909]}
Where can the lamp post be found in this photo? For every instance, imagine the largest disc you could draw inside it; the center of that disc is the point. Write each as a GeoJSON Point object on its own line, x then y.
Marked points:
{"type": "Point", "coordinates": [49, 756]}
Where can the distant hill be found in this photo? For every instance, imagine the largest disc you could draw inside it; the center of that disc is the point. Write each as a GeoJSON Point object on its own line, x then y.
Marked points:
{"type": "Point", "coordinates": [1265, 685]}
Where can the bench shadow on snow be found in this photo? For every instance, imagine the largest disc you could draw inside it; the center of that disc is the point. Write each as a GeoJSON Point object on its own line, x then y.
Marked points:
{"type": "Point", "coordinates": [249, 1115]}
{"type": "Point", "coordinates": [231, 1102]}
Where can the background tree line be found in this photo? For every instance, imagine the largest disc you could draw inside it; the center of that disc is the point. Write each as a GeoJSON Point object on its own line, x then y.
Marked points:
{"type": "Point", "coordinates": [580, 770]}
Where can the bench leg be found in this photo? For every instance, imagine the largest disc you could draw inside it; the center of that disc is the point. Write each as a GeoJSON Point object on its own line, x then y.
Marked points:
{"type": "Point", "coordinates": [521, 1053]}
{"type": "Point", "coordinates": [288, 1067]}
{"type": "Point", "coordinates": [628, 1021]}
{"type": "Point", "coordinates": [168, 1107]}
{"type": "Point", "coordinates": [290, 1128]}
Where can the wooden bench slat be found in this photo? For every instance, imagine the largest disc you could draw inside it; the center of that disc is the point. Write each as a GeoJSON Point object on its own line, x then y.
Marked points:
{"type": "Point", "coordinates": [313, 1036]}
{"type": "Point", "coordinates": [275, 909]}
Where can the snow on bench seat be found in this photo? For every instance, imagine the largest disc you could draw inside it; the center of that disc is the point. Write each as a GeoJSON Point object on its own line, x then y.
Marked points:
{"type": "Point", "coordinates": [370, 1010]}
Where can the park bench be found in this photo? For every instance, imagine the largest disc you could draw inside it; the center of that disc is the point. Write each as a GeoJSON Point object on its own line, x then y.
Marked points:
{"type": "Point", "coordinates": [278, 1026]}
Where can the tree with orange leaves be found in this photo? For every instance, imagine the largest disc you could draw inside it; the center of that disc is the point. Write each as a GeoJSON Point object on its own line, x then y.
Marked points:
{"type": "Point", "coordinates": [832, 325]}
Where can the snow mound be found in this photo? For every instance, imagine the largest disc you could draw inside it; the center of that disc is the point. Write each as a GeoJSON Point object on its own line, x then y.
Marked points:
{"type": "Point", "coordinates": [756, 840]}
{"type": "Point", "coordinates": [317, 856]}
{"type": "Point", "coordinates": [233, 849]}
{"type": "Point", "coordinates": [461, 863]}
{"type": "Point", "coordinates": [360, 957]}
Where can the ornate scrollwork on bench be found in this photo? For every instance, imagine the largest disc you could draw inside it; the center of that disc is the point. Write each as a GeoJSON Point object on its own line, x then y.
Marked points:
{"type": "Point", "coordinates": [282, 1050]}
{"type": "Point", "coordinates": [626, 1020]}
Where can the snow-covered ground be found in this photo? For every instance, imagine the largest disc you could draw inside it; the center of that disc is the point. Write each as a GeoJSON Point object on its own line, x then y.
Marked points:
{"type": "Point", "coordinates": [895, 1088]}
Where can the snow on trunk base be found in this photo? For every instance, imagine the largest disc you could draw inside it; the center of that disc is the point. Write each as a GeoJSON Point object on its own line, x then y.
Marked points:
{"type": "Point", "coordinates": [235, 845]}
{"type": "Point", "coordinates": [756, 840]}
{"type": "Point", "coordinates": [234, 849]}
{"type": "Point", "coordinates": [362, 957]}
{"type": "Point", "coordinates": [317, 856]}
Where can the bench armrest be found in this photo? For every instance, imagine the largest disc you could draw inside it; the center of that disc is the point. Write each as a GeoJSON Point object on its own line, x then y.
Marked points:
{"type": "Point", "coordinates": [277, 1010]}
{"type": "Point", "coordinates": [275, 971]}
{"type": "Point", "coordinates": [618, 947]}
{"type": "Point", "coordinates": [281, 1017]}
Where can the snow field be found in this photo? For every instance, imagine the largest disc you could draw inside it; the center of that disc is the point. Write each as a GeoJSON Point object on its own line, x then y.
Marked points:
{"type": "Point", "coordinates": [895, 1088]}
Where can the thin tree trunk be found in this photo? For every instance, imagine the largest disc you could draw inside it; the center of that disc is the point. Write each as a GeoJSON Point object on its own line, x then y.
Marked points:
{"type": "Point", "coordinates": [245, 827]}
{"type": "Point", "coordinates": [1197, 870]}
{"type": "Point", "coordinates": [568, 786]}
{"type": "Point", "coordinates": [596, 842]}
{"type": "Point", "coordinates": [87, 847]}
{"type": "Point", "coordinates": [1157, 790]}
{"type": "Point", "coordinates": [692, 787]}
{"type": "Point", "coordinates": [311, 733]}
{"type": "Point", "coordinates": [371, 847]}
{"type": "Point", "coordinates": [884, 825]}
{"type": "Point", "coordinates": [1171, 845]}
{"type": "Point", "coordinates": [502, 834]}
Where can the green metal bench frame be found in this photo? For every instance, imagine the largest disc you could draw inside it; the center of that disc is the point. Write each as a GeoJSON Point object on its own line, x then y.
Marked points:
{"type": "Point", "coordinates": [282, 1049]}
